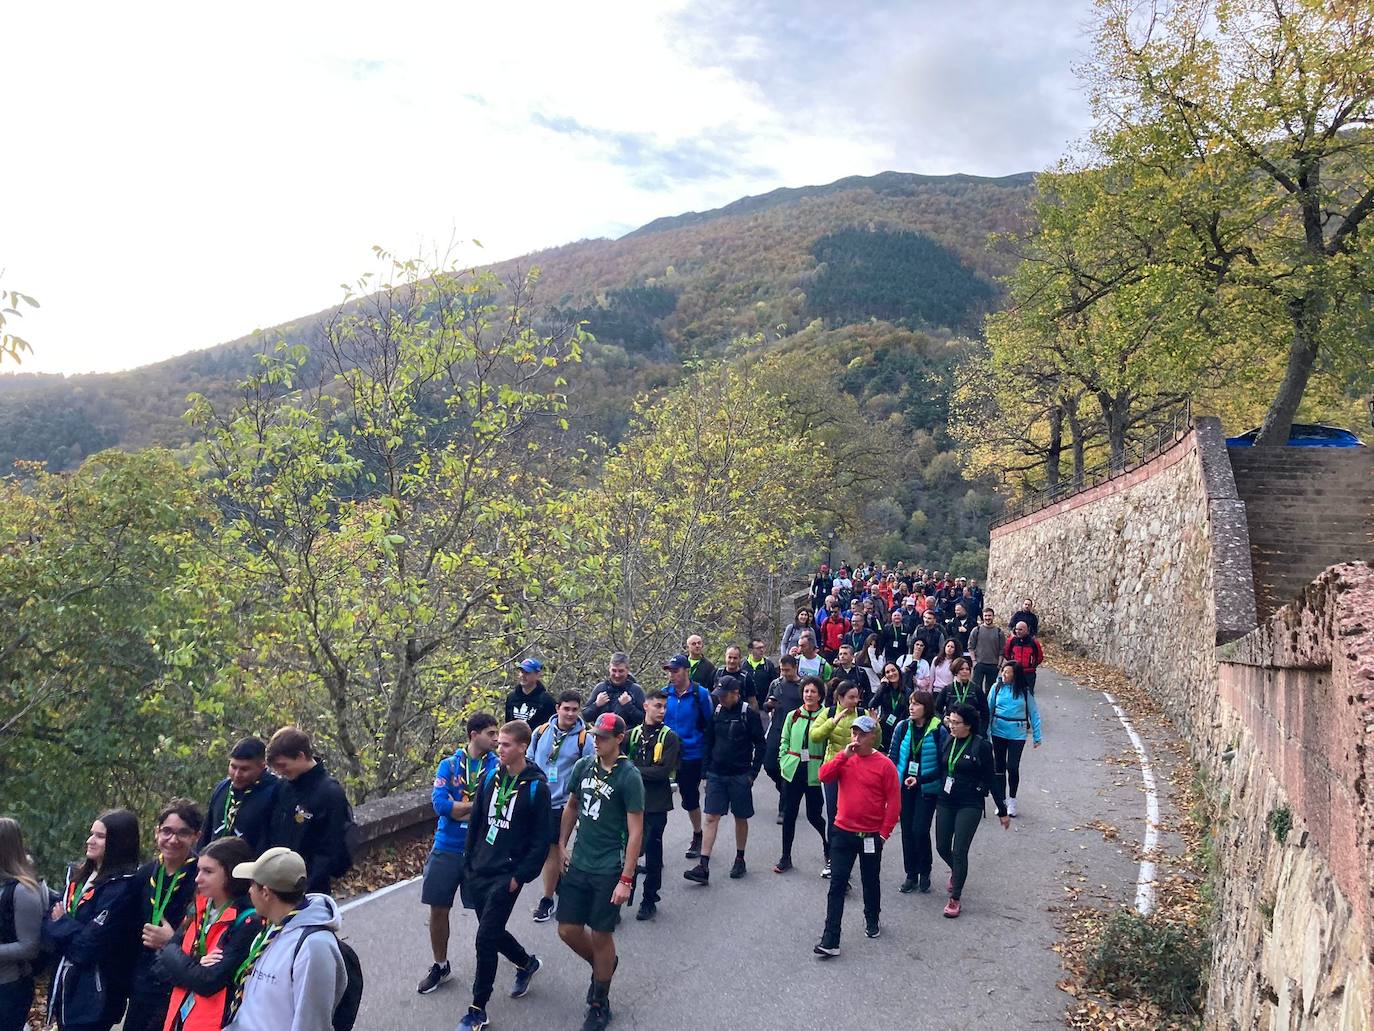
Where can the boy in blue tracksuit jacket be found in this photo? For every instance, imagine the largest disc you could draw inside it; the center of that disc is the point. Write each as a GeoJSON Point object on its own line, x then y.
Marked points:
{"type": "Point", "coordinates": [455, 784]}
{"type": "Point", "coordinates": [689, 716]}
{"type": "Point", "coordinates": [1012, 713]}
{"type": "Point", "coordinates": [555, 749]}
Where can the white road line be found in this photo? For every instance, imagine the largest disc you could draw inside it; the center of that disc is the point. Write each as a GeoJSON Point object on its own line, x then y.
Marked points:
{"type": "Point", "coordinates": [372, 896]}
{"type": "Point", "coordinates": [1145, 883]}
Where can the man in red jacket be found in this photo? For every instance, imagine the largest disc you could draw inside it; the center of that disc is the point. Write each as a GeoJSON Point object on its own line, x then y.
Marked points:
{"type": "Point", "coordinates": [870, 802]}
{"type": "Point", "coordinates": [1024, 650]}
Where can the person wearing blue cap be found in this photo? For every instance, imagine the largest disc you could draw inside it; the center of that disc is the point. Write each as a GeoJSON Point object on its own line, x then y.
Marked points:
{"type": "Point", "coordinates": [530, 700]}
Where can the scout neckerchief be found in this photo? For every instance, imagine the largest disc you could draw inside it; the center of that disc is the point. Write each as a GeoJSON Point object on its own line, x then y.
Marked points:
{"type": "Point", "coordinates": [77, 896]}
{"type": "Point", "coordinates": [264, 938]}
{"type": "Point", "coordinates": [471, 772]}
{"type": "Point", "coordinates": [637, 738]}
{"type": "Point", "coordinates": [161, 899]}
{"type": "Point", "coordinates": [559, 736]}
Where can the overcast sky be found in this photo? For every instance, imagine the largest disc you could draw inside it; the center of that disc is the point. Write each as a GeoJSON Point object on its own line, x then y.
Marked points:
{"type": "Point", "coordinates": [178, 175]}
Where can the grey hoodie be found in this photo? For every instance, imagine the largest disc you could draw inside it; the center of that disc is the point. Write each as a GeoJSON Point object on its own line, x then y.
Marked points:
{"type": "Point", "coordinates": [300, 996]}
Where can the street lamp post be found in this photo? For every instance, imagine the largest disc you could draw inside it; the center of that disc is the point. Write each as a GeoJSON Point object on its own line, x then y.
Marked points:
{"type": "Point", "coordinates": [829, 548]}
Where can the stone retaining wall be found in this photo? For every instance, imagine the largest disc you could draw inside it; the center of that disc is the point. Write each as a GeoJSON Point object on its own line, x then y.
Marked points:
{"type": "Point", "coordinates": [1150, 572]}
{"type": "Point", "coordinates": [1296, 906]}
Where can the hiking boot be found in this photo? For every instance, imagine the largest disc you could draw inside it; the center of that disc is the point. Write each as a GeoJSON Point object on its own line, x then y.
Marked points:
{"type": "Point", "coordinates": [737, 869]}
{"type": "Point", "coordinates": [908, 886]}
{"type": "Point", "coordinates": [825, 950]}
{"type": "Point", "coordinates": [923, 886]}
{"type": "Point", "coordinates": [647, 911]}
{"type": "Point", "coordinates": [1011, 807]}
{"type": "Point", "coordinates": [437, 975]}
{"type": "Point", "coordinates": [952, 908]}
{"type": "Point", "coordinates": [779, 817]}
{"type": "Point", "coordinates": [694, 849]}
{"type": "Point", "coordinates": [544, 911]}
{"type": "Point", "coordinates": [783, 865]}
{"type": "Point", "coordinates": [872, 929]}
{"type": "Point", "coordinates": [523, 976]}
{"type": "Point", "coordinates": [598, 1016]}
{"type": "Point", "coordinates": [698, 875]}
{"type": "Point", "coordinates": [473, 1020]}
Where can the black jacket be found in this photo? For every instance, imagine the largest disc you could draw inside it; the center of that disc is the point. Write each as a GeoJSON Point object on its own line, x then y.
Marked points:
{"type": "Point", "coordinates": [632, 712]}
{"type": "Point", "coordinates": [97, 948]}
{"type": "Point", "coordinates": [146, 979]}
{"type": "Point", "coordinates": [975, 776]}
{"type": "Point", "coordinates": [959, 629]}
{"type": "Point", "coordinates": [253, 818]}
{"type": "Point", "coordinates": [704, 673]}
{"type": "Point", "coordinates": [642, 745]}
{"type": "Point", "coordinates": [535, 708]}
{"type": "Point", "coordinates": [947, 697]}
{"type": "Point", "coordinates": [311, 817]}
{"type": "Point", "coordinates": [855, 674]}
{"type": "Point", "coordinates": [890, 701]}
{"type": "Point", "coordinates": [524, 831]}
{"type": "Point", "coordinates": [934, 639]}
{"type": "Point", "coordinates": [758, 680]}
{"type": "Point", "coordinates": [736, 742]}
{"type": "Point", "coordinates": [183, 970]}
{"type": "Point", "coordinates": [1031, 620]}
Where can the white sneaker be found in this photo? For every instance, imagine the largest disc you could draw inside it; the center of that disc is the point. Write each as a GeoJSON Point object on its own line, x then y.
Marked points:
{"type": "Point", "coordinates": [1011, 807]}
{"type": "Point", "coordinates": [825, 870]}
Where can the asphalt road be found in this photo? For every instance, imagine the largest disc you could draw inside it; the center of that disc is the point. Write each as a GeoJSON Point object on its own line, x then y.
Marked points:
{"type": "Point", "coordinates": [737, 954]}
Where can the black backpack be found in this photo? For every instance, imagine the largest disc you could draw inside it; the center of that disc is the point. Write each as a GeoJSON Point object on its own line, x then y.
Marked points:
{"type": "Point", "coordinates": [346, 1012]}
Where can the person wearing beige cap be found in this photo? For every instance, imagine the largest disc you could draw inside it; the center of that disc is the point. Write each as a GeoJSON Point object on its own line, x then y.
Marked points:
{"type": "Point", "coordinates": [293, 978]}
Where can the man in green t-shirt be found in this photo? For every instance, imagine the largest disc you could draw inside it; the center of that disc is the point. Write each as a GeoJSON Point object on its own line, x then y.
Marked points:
{"type": "Point", "coordinates": [606, 805]}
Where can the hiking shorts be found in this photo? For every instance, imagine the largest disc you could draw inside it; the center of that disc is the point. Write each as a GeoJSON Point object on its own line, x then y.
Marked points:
{"type": "Point", "coordinates": [585, 898]}
{"type": "Point", "coordinates": [442, 877]}
{"type": "Point", "coordinates": [729, 794]}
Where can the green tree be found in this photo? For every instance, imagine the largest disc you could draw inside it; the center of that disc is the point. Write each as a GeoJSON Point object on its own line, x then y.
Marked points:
{"type": "Point", "coordinates": [11, 303]}
{"type": "Point", "coordinates": [117, 629]}
{"type": "Point", "coordinates": [1243, 126]}
{"type": "Point", "coordinates": [398, 526]}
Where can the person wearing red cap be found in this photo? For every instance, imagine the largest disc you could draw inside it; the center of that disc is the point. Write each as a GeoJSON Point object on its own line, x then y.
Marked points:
{"type": "Point", "coordinates": [606, 807]}
{"type": "Point", "coordinates": [870, 803]}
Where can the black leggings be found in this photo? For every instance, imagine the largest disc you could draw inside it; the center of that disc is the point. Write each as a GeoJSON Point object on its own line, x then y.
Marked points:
{"type": "Point", "coordinates": [793, 791]}
{"type": "Point", "coordinates": [955, 827]}
{"type": "Point", "coordinates": [1006, 762]}
{"type": "Point", "coordinates": [918, 811]}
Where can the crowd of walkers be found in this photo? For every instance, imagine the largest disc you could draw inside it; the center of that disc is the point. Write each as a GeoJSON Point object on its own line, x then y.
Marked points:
{"type": "Point", "coordinates": [896, 700]}
{"type": "Point", "coordinates": [181, 942]}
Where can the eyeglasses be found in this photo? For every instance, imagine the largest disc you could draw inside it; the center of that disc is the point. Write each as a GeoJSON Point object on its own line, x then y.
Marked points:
{"type": "Point", "coordinates": [175, 832]}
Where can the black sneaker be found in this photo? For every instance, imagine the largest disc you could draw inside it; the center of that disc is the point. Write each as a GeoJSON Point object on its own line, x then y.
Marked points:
{"type": "Point", "coordinates": [826, 951]}
{"type": "Point", "coordinates": [779, 817]}
{"type": "Point", "coordinates": [524, 975]}
{"type": "Point", "coordinates": [698, 874]}
{"type": "Point", "coordinates": [694, 849]}
{"type": "Point", "coordinates": [473, 1020]}
{"type": "Point", "coordinates": [872, 929]}
{"type": "Point", "coordinates": [647, 911]}
{"type": "Point", "coordinates": [908, 886]}
{"type": "Point", "coordinates": [437, 975]}
{"type": "Point", "coordinates": [597, 1017]}
{"type": "Point", "coordinates": [924, 885]}
{"type": "Point", "coordinates": [737, 869]}
{"type": "Point", "coordinates": [544, 911]}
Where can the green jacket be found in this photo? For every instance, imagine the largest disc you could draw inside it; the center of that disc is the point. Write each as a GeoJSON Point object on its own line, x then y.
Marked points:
{"type": "Point", "coordinates": [832, 727]}
{"type": "Point", "coordinates": [796, 741]}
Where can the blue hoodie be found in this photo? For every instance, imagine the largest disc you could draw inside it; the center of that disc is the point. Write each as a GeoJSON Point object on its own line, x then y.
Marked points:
{"type": "Point", "coordinates": [1011, 715]}
{"type": "Point", "coordinates": [452, 784]}
{"type": "Point", "coordinates": [690, 719]}
{"type": "Point", "coordinates": [569, 747]}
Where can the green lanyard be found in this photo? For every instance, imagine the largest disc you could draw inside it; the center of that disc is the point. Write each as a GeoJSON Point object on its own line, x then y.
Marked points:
{"type": "Point", "coordinates": [504, 790]}
{"type": "Point", "coordinates": [931, 724]}
{"type": "Point", "coordinates": [265, 938]}
{"type": "Point", "coordinates": [956, 753]}
{"type": "Point", "coordinates": [207, 921]}
{"type": "Point", "coordinates": [961, 696]}
{"type": "Point", "coordinates": [162, 899]}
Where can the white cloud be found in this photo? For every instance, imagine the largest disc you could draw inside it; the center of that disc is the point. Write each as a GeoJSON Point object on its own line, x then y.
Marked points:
{"type": "Point", "coordinates": [178, 175]}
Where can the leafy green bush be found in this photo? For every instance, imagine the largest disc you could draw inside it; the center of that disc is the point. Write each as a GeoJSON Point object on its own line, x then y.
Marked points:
{"type": "Point", "coordinates": [1143, 958]}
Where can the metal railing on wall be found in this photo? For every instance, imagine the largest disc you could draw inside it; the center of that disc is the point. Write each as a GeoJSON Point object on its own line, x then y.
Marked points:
{"type": "Point", "coordinates": [1166, 435]}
